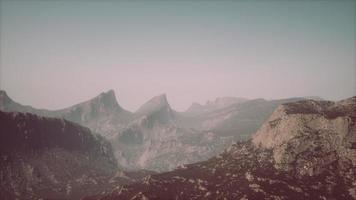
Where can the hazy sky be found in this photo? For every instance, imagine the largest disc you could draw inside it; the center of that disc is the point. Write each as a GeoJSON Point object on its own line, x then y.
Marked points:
{"type": "Point", "coordinates": [58, 53]}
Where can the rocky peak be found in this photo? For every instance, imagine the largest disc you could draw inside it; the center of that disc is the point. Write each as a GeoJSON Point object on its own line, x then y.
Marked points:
{"type": "Point", "coordinates": [4, 99]}
{"type": "Point", "coordinates": [107, 100]}
{"type": "Point", "coordinates": [7, 104]}
{"type": "Point", "coordinates": [155, 104]}
{"type": "Point", "coordinates": [3, 93]}
{"type": "Point", "coordinates": [85, 113]}
{"type": "Point", "coordinates": [104, 102]}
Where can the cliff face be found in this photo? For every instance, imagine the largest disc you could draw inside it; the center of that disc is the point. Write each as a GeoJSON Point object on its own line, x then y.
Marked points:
{"type": "Point", "coordinates": [307, 136]}
{"type": "Point", "coordinates": [305, 150]}
{"type": "Point", "coordinates": [51, 158]}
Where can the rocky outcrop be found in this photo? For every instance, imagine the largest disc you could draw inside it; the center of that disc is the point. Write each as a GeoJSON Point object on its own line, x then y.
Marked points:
{"type": "Point", "coordinates": [307, 136]}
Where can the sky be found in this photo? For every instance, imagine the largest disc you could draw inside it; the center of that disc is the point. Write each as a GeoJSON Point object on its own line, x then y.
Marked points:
{"type": "Point", "coordinates": [54, 54]}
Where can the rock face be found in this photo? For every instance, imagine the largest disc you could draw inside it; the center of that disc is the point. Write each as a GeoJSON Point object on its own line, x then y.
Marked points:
{"type": "Point", "coordinates": [51, 158]}
{"type": "Point", "coordinates": [307, 136]}
{"type": "Point", "coordinates": [305, 150]}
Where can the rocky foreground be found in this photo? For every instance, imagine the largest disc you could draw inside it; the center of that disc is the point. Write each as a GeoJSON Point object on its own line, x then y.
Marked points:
{"type": "Point", "coordinates": [306, 150]}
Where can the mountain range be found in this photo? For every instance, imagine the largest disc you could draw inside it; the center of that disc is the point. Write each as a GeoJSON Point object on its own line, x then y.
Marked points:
{"type": "Point", "coordinates": [156, 137]}
{"type": "Point", "coordinates": [305, 150]}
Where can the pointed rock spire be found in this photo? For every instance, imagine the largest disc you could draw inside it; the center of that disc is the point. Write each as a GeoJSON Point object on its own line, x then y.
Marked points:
{"type": "Point", "coordinates": [5, 100]}
{"type": "Point", "coordinates": [155, 104]}
{"type": "Point", "coordinates": [107, 99]}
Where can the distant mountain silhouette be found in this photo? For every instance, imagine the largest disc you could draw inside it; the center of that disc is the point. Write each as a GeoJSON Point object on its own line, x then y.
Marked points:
{"type": "Point", "coordinates": [219, 103]}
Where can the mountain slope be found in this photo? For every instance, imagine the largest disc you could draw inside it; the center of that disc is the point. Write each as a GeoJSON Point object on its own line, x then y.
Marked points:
{"type": "Point", "coordinates": [51, 158]}
{"type": "Point", "coordinates": [305, 150]}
